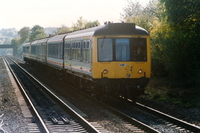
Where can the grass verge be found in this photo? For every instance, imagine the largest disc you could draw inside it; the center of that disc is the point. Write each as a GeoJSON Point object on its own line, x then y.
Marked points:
{"type": "Point", "coordinates": [160, 89]}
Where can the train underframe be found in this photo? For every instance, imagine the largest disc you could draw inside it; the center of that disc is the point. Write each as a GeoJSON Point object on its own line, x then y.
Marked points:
{"type": "Point", "coordinates": [98, 88]}
{"type": "Point", "coordinates": [125, 88]}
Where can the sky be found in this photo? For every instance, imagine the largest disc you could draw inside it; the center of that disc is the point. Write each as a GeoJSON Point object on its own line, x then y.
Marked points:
{"type": "Point", "coordinates": [55, 13]}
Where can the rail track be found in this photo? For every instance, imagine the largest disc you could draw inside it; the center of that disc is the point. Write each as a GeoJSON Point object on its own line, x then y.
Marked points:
{"type": "Point", "coordinates": [152, 117]}
{"type": "Point", "coordinates": [131, 123]}
{"type": "Point", "coordinates": [50, 113]}
{"type": "Point", "coordinates": [170, 120]}
{"type": "Point", "coordinates": [163, 122]}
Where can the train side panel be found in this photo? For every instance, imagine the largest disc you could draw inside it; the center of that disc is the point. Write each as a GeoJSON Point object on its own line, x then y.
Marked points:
{"type": "Point", "coordinates": [55, 52]}
{"type": "Point", "coordinates": [33, 50]}
{"type": "Point", "coordinates": [26, 51]}
{"type": "Point", "coordinates": [77, 54]}
{"type": "Point", "coordinates": [42, 50]}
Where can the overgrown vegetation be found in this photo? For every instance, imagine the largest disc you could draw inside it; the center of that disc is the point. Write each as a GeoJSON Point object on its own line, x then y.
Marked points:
{"type": "Point", "coordinates": [174, 27]}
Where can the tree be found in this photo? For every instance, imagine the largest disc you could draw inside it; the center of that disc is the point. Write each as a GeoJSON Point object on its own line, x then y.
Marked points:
{"type": "Point", "coordinates": [24, 35]}
{"type": "Point", "coordinates": [152, 19]}
{"type": "Point", "coordinates": [183, 62]}
{"type": "Point", "coordinates": [145, 17]}
{"type": "Point", "coordinates": [81, 23]}
{"type": "Point", "coordinates": [14, 42]}
{"type": "Point", "coordinates": [63, 29]}
{"type": "Point", "coordinates": [132, 12]}
{"type": "Point", "coordinates": [91, 24]}
{"type": "Point", "coordinates": [37, 32]}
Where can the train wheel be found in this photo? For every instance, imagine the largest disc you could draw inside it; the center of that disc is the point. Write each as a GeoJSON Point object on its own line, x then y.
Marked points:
{"type": "Point", "coordinates": [97, 92]}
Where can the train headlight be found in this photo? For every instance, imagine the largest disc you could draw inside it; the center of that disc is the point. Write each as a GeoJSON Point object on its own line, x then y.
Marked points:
{"type": "Point", "coordinates": [140, 71]}
{"type": "Point", "coordinates": [105, 71]}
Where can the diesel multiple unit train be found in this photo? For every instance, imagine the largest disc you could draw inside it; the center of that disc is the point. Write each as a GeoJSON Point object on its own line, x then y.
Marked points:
{"type": "Point", "coordinates": [108, 60]}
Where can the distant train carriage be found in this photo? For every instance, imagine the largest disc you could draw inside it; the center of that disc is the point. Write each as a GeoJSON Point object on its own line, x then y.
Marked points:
{"type": "Point", "coordinates": [33, 50]}
{"type": "Point", "coordinates": [42, 50]}
{"type": "Point", "coordinates": [77, 52]}
{"type": "Point", "coordinates": [55, 51]}
{"type": "Point", "coordinates": [26, 51]}
{"type": "Point", "coordinates": [107, 60]}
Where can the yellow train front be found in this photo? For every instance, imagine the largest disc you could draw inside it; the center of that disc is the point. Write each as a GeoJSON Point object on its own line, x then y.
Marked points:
{"type": "Point", "coordinates": [121, 60]}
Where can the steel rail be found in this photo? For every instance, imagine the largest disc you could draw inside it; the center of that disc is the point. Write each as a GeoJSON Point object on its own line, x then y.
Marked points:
{"type": "Point", "coordinates": [172, 119]}
{"type": "Point", "coordinates": [132, 120]}
{"type": "Point", "coordinates": [28, 100]}
{"type": "Point", "coordinates": [80, 119]}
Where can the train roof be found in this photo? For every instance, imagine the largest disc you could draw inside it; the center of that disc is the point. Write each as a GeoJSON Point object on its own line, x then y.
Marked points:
{"type": "Point", "coordinates": [111, 29]}
{"type": "Point", "coordinates": [57, 38]}
{"type": "Point", "coordinates": [121, 29]}
{"type": "Point", "coordinates": [34, 42]}
{"type": "Point", "coordinates": [26, 44]}
{"type": "Point", "coordinates": [107, 29]}
{"type": "Point", "coordinates": [44, 40]}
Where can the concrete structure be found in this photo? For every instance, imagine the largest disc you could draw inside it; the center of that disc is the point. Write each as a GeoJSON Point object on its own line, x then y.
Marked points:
{"type": "Point", "coordinates": [5, 46]}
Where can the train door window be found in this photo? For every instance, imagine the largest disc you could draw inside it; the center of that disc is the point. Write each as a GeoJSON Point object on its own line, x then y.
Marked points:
{"type": "Point", "coordinates": [105, 49]}
{"type": "Point", "coordinates": [59, 45]}
{"type": "Point", "coordinates": [43, 48]}
{"type": "Point", "coordinates": [73, 54]}
{"type": "Point", "coordinates": [139, 49]}
{"type": "Point", "coordinates": [122, 49]}
{"type": "Point", "coordinates": [76, 51]}
{"type": "Point", "coordinates": [53, 50]}
{"type": "Point", "coordinates": [87, 48]}
{"type": "Point", "coordinates": [67, 50]}
{"type": "Point", "coordinates": [26, 49]}
{"type": "Point", "coordinates": [33, 49]}
{"type": "Point", "coordinates": [79, 51]}
{"type": "Point", "coordinates": [86, 51]}
{"type": "Point", "coordinates": [39, 49]}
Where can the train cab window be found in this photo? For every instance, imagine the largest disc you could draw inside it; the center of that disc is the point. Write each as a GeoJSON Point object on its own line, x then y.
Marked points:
{"type": "Point", "coordinates": [105, 48]}
{"type": "Point", "coordinates": [139, 49]}
{"type": "Point", "coordinates": [122, 50]}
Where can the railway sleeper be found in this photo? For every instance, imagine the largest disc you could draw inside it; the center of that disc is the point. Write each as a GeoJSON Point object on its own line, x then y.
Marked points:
{"type": "Point", "coordinates": [65, 120]}
{"type": "Point", "coordinates": [54, 120]}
